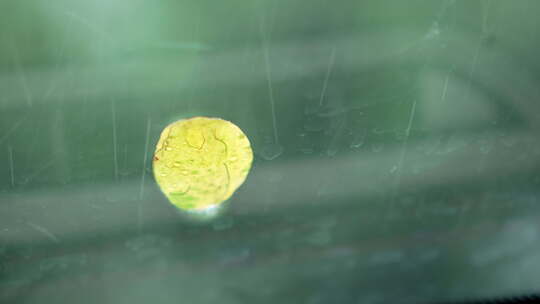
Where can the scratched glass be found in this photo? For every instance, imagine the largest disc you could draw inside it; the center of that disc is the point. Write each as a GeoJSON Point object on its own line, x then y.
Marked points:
{"type": "Point", "coordinates": [396, 156]}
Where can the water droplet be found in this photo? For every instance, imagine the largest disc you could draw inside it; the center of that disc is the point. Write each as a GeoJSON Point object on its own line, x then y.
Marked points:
{"type": "Point", "coordinates": [163, 174]}
{"type": "Point", "coordinates": [509, 141]}
{"type": "Point", "coordinates": [314, 124]}
{"type": "Point", "coordinates": [357, 143]}
{"type": "Point", "coordinates": [184, 172]}
{"type": "Point", "coordinates": [331, 111]}
{"type": "Point", "coordinates": [274, 177]}
{"type": "Point", "coordinates": [233, 158]}
{"type": "Point", "coordinates": [332, 151]}
{"type": "Point", "coordinates": [323, 190]}
{"type": "Point", "coordinates": [358, 140]}
{"type": "Point", "coordinates": [485, 146]}
{"type": "Point", "coordinates": [307, 150]}
{"type": "Point", "coordinates": [401, 135]}
{"type": "Point", "coordinates": [223, 223]}
{"type": "Point", "coordinates": [271, 151]}
{"type": "Point", "coordinates": [434, 31]}
{"type": "Point", "coordinates": [311, 109]}
{"type": "Point", "coordinates": [377, 147]}
{"type": "Point", "coordinates": [321, 238]}
{"type": "Point", "coordinates": [485, 149]}
{"type": "Point", "coordinates": [177, 164]}
{"type": "Point", "coordinates": [168, 149]}
{"type": "Point", "coordinates": [378, 131]}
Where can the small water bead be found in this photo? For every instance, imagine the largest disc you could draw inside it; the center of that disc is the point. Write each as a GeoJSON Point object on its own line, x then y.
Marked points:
{"type": "Point", "coordinates": [509, 141]}
{"type": "Point", "coordinates": [485, 146]}
{"type": "Point", "coordinates": [315, 124]}
{"type": "Point", "coordinates": [358, 139]}
{"type": "Point", "coordinates": [271, 151]}
{"type": "Point", "coordinates": [378, 131]}
{"type": "Point", "coordinates": [401, 135]}
{"type": "Point", "coordinates": [332, 151]}
{"type": "Point", "coordinates": [377, 147]}
{"type": "Point", "coordinates": [357, 143]}
{"type": "Point", "coordinates": [307, 150]}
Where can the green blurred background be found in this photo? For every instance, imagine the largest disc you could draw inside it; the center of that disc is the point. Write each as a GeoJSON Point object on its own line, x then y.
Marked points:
{"type": "Point", "coordinates": [397, 155]}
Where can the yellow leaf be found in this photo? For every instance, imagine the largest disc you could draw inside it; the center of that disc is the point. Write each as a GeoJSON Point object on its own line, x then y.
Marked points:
{"type": "Point", "coordinates": [200, 162]}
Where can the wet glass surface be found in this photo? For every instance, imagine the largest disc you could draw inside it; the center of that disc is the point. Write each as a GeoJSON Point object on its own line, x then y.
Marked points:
{"type": "Point", "coordinates": [397, 150]}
